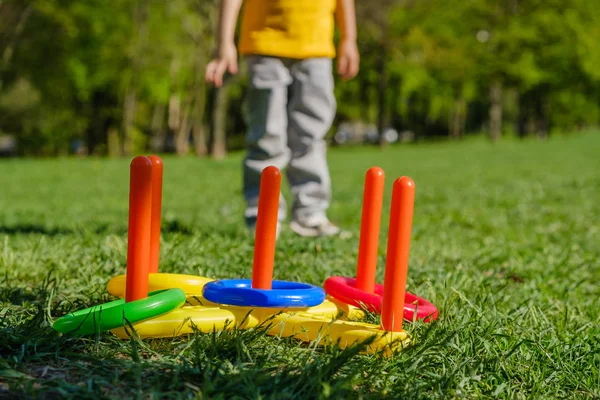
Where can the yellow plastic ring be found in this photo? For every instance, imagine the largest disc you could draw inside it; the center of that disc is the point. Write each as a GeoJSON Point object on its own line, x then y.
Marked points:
{"type": "Point", "coordinates": [191, 284]}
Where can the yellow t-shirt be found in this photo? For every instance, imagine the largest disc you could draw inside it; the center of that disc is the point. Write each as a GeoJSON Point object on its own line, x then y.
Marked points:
{"type": "Point", "coordinates": [288, 28]}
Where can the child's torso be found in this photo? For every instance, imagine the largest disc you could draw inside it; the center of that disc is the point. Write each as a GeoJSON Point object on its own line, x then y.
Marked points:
{"type": "Point", "coordinates": [288, 28]}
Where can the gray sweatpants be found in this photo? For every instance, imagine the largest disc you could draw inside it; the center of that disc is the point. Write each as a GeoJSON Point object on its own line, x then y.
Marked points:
{"type": "Point", "coordinates": [290, 107]}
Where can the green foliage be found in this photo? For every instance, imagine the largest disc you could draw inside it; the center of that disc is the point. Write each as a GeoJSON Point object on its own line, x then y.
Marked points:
{"type": "Point", "coordinates": [426, 66]}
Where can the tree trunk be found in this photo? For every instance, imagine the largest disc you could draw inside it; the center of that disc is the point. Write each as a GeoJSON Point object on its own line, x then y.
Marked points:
{"type": "Point", "coordinates": [364, 100]}
{"type": "Point", "coordinates": [542, 120]}
{"type": "Point", "coordinates": [140, 17]}
{"type": "Point", "coordinates": [114, 143]}
{"type": "Point", "coordinates": [219, 143]}
{"type": "Point", "coordinates": [530, 127]}
{"type": "Point", "coordinates": [159, 138]}
{"type": "Point", "coordinates": [128, 120]}
{"type": "Point", "coordinates": [199, 136]}
{"type": "Point", "coordinates": [522, 115]}
{"type": "Point", "coordinates": [174, 112]}
{"type": "Point", "coordinates": [198, 130]}
{"type": "Point", "coordinates": [182, 135]}
{"type": "Point", "coordinates": [382, 119]}
{"type": "Point", "coordinates": [458, 117]}
{"type": "Point", "coordinates": [395, 118]}
{"type": "Point", "coordinates": [495, 110]}
{"type": "Point", "coordinates": [97, 127]}
{"type": "Point", "coordinates": [13, 39]}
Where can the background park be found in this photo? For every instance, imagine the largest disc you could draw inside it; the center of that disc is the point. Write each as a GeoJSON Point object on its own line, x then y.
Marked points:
{"type": "Point", "coordinates": [492, 108]}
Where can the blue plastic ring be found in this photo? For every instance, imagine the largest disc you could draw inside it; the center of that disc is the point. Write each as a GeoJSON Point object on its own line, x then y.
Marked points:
{"type": "Point", "coordinates": [239, 292]}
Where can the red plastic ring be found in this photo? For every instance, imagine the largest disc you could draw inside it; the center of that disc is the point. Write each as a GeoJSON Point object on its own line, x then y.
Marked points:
{"type": "Point", "coordinates": [344, 289]}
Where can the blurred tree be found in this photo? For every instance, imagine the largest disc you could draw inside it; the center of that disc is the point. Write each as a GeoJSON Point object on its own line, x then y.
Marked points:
{"type": "Point", "coordinates": [125, 76]}
{"type": "Point", "coordinates": [14, 16]}
{"type": "Point", "coordinates": [374, 28]}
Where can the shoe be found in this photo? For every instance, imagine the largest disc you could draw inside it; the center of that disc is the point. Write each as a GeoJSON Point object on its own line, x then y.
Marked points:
{"type": "Point", "coordinates": [252, 230]}
{"type": "Point", "coordinates": [315, 226]}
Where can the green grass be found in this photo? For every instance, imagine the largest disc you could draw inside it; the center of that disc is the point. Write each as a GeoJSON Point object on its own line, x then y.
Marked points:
{"type": "Point", "coordinates": [506, 242]}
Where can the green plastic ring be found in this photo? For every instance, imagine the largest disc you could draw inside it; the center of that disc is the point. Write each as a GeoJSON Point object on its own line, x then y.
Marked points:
{"type": "Point", "coordinates": [118, 313]}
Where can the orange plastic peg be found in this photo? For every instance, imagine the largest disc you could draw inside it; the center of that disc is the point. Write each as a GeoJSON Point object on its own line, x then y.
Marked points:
{"type": "Point", "coordinates": [157, 180]}
{"type": "Point", "coordinates": [266, 228]}
{"type": "Point", "coordinates": [369, 230]}
{"type": "Point", "coordinates": [396, 267]}
{"type": "Point", "coordinates": [138, 238]}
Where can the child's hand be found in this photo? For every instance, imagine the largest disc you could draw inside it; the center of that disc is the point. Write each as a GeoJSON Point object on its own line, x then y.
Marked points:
{"type": "Point", "coordinates": [226, 61]}
{"type": "Point", "coordinates": [348, 59]}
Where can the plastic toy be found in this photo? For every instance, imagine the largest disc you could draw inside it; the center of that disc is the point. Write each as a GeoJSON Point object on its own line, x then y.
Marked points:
{"type": "Point", "coordinates": [262, 270]}
{"type": "Point", "coordinates": [259, 292]}
{"type": "Point", "coordinates": [345, 290]}
{"type": "Point", "coordinates": [191, 284]}
{"type": "Point", "coordinates": [347, 296]}
{"type": "Point", "coordinates": [362, 291]}
{"type": "Point", "coordinates": [117, 313]}
{"type": "Point", "coordinates": [305, 323]}
{"type": "Point", "coordinates": [137, 305]}
{"type": "Point", "coordinates": [144, 230]}
{"type": "Point", "coordinates": [287, 309]}
{"type": "Point", "coordinates": [239, 292]}
{"type": "Point", "coordinates": [206, 317]}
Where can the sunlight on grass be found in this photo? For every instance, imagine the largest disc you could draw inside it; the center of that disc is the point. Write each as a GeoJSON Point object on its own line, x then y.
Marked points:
{"type": "Point", "coordinates": [505, 242]}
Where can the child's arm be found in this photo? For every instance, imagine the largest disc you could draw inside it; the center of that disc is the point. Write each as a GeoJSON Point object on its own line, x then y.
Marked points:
{"type": "Point", "coordinates": [226, 59]}
{"type": "Point", "coordinates": [348, 57]}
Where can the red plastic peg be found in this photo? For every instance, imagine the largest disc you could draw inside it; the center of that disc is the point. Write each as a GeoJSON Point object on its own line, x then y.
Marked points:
{"type": "Point", "coordinates": [138, 237]}
{"type": "Point", "coordinates": [369, 230]}
{"type": "Point", "coordinates": [157, 181]}
{"type": "Point", "coordinates": [266, 228]}
{"type": "Point", "coordinates": [396, 268]}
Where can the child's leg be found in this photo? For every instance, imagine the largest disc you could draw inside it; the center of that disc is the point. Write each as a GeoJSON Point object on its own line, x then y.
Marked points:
{"type": "Point", "coordinates": [311, 111]}
{"type": "Point", "coordinates": [266, 139]}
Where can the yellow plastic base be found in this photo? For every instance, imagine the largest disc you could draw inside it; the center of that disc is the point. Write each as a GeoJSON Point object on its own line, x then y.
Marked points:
{"type": "Point", "coordinates": [317, 323]}
{"type": "Point", "coordinates": [300, 324]}
{"type": "Point", "coordinates": [309, 328]}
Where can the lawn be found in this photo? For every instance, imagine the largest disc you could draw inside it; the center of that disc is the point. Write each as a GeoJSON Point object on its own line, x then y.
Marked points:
{"type": "Point", "coordinates": [505, 241]}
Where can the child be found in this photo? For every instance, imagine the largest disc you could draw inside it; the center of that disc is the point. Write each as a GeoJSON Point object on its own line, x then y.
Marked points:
{"type": "Point", "coordinates": [288, 47]}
